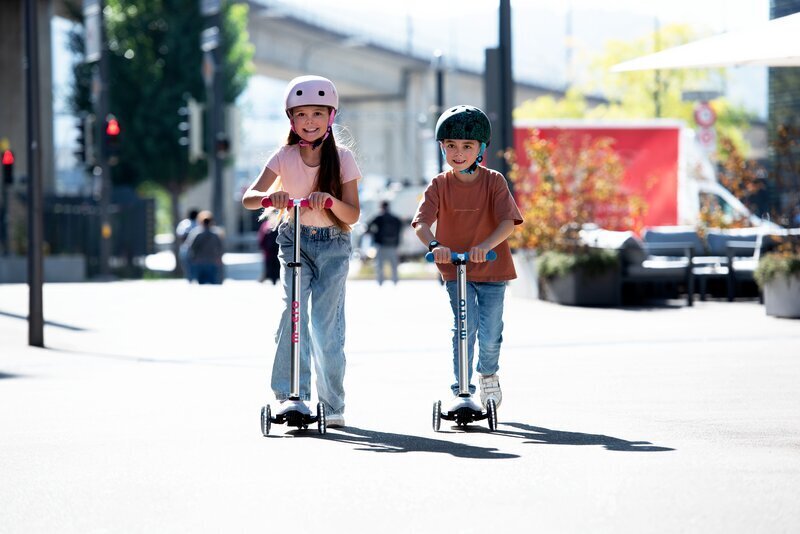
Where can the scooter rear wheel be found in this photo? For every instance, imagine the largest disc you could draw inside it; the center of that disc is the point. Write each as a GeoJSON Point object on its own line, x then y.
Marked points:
{"type": "Point", "coordinates": [437, 415]}
{"type": "Point", "coordinates": [491, 414]}
{"type": "Point", "coordinates": [322, 424]}
{"type": "Point", "coordinates": [266, 414]}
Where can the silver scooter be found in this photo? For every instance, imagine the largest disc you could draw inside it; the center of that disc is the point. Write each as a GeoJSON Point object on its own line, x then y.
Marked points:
{"type": "Point", "coordinates": [293, 411]}
{"type": "Point", "coordinates": [463, 409]}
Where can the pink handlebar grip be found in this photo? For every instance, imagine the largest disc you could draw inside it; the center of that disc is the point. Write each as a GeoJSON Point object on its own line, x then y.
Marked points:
{"type": "Point", "coordinates": [267, 203]}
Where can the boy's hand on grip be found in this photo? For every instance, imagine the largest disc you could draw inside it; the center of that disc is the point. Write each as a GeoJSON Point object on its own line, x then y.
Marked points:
{"type": "Point", "coordinates": [477, 254]}
{"type": "Point", "coordinates": [442, 254]}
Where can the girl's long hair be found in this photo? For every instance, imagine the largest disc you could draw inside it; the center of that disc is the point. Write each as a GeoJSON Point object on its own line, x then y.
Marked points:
{"type": "Point", "coordinates": [329, 174]}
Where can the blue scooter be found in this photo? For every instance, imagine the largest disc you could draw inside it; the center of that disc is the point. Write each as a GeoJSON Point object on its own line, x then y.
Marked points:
{"type": "Point", "coordinates": [463, 409]}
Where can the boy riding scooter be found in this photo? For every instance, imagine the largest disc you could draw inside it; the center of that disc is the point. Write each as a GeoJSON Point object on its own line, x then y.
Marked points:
{"type": "Point", "coordinates": [474, 213]}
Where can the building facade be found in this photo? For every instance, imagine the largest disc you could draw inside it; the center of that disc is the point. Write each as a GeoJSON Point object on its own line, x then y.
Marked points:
{"type": "Point", "coordinates": [784, 129]}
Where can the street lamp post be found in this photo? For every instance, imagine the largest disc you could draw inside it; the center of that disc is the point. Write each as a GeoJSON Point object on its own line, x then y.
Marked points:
{"type": "Point", "coordinates": [212, 72]}
{"type": "Point", "coordinates": [499, 88]}
{"type": "Point", "coordinates": [438, 65]}
{"type": "Point", "coordinates": [35, 212]}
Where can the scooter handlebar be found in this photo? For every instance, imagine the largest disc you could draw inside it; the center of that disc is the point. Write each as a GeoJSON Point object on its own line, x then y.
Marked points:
{"type": "Point", "coordinates": [462, 256]}
{"type": "Point", "coordinates": [267, 203]}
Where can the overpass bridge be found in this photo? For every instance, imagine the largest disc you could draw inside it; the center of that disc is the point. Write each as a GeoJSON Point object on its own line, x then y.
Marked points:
{"type": "Point", "coordinates": [388, 95]}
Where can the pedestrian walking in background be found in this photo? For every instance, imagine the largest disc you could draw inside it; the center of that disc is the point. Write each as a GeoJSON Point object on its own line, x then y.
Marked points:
{"type": "Point", "coordinates": [474, 212]}
{"type": "Point", "coordinates": [181, 233]}
{"type": "Point", "coordinates": [311, 165]}
{"type": "Point", "coordinates": [385, 230]}
{"type": "Point", "coordinates": [268, 243]}
{"type": "Point", "coordinates": [205, 248]}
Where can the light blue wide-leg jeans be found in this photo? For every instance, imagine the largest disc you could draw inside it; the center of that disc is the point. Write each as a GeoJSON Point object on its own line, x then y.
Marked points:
{"type": "Point", "coordinates": [325, 257]}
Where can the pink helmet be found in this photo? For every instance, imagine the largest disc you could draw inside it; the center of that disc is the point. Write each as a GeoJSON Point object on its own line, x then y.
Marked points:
{"type": "Point", "coordinates": [311, 91]}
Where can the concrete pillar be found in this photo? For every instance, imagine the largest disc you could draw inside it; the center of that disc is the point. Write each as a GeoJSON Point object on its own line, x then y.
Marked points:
{"type": "Point", "coordinates": [12, 87]}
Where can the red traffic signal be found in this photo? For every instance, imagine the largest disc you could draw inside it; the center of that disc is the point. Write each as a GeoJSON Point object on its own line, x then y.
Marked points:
{"type": "Point", "coordinates": [112, 126]}
{"type": "Point", "coordinates": [8, 167]}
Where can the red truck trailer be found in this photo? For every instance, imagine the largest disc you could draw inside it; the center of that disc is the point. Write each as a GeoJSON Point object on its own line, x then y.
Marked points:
{"type": "Point", "coordinates": [663, 165]}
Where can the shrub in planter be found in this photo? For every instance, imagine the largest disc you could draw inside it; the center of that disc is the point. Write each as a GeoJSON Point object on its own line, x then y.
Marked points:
{"type": "Point", "coordinates": [589, 261]}
{"type": "Point", "coordinates": [587, 278]}
{"type": "Point", "coordinates": [778, 275]}
{"type": "Point", "coordinates": [772, 266]}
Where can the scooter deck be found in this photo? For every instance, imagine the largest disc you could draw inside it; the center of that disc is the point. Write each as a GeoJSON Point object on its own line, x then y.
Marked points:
{"type": "Point", "coordinates": [464, 416]}
{"type": "Point", "coordinates": [294, 418]}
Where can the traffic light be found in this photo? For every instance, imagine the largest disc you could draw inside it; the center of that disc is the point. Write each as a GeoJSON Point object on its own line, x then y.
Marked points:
{"type": "Point", "coordinates": [8, 167]}
{"type": "Point", "coordinates": [191, 129]}
{"type": "Point", "coordinates": [112, 127]}
{"type": "Point", "coordinates": [113, 132]}
{"type": "Point", "coordinates": [223, 146]}
{"type": "Point", "coordinates": [80, 149]}
{"type": "Point", "coordinates": [84, 151]}
{"type": "Point", "coordinates": [183, 126]}
{"type": "Point", "coordinates": [89, 135]}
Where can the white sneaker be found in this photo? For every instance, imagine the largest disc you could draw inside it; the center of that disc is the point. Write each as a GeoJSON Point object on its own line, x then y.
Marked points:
{"type": "Point", "coordinates": [334, 420]}
{"type": "Point", "coordinates": [490, 389]}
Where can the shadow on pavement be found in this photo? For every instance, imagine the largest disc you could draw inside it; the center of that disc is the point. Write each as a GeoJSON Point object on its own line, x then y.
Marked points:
{"type": "Point", "coordinates": [373, 441]}
{"type": "Point", "coordinates": [47, 323]}
{"type": "Point", "coordinates": [3, 375]}
{"type": "Point", "coordinates": [539, 435]}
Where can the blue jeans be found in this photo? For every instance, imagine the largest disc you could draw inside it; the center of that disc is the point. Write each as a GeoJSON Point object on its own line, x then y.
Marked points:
{"type": "Point", "coordinates": [325, 258]}
{"type": "Point", "coordinates": [206, 273]}
{"type": "Point", "coordinates": [484, 319]}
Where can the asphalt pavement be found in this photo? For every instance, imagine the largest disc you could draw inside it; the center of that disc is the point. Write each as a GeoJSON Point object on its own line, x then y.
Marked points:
{"type": "Point", "coordinates": [142, 415]}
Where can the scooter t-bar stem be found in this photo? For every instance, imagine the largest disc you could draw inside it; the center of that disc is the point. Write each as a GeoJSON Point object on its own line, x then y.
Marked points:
{"type": "Point", "coordinates": [460, 260]}
{"type": "Point", "coordinates": [462, 256]}
{"type": "Point", "coordinates": [303, 202]}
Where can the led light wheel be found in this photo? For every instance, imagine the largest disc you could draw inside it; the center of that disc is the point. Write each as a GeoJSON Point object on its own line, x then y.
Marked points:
{"type": "Point", "coordinates": [322, 425]}
{"type": "Point", "coordinates": [266, 414]}
{"type": "Point", "coordinates": [437, 415]}
{"type": "Point", "coordinates": [491, 414]}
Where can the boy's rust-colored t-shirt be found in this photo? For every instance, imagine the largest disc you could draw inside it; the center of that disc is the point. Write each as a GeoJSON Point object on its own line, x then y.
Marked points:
{"type": "Point", "coordinates": [465, 214]}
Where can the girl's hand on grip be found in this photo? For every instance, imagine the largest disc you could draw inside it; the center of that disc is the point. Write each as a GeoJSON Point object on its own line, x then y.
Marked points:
{"type": "Point", "coordinates": [279, 199]}
{"type": "Point", "coordinates": [319, 200]}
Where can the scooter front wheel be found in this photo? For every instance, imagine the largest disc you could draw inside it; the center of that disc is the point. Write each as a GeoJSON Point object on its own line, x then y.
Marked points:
{"type": "Point", "coordinates": [491, 414]}
{"type": "Point", "coordinates": [266, 415]}
{"type": "Point", "coordinates": [437, 415]}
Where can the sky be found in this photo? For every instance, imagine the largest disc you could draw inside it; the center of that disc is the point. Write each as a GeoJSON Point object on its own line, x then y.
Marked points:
{"type": "Point", "coordinates": [462, 29]}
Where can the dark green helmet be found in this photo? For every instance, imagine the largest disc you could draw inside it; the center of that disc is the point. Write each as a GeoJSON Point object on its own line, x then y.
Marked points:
{"type": "Point", "coordinates": [464, 122]}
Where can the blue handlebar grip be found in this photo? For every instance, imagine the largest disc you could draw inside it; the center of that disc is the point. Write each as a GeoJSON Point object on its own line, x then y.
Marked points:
{"type": "Point", "coordinates": [455, 256]}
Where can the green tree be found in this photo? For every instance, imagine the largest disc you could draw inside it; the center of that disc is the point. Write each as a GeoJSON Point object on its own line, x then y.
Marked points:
{"type": "Point", "coordinates": [155, 66]}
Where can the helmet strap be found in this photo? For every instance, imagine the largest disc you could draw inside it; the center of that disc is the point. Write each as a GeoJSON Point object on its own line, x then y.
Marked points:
{"type": "Point", "coordinates": [318, 142]}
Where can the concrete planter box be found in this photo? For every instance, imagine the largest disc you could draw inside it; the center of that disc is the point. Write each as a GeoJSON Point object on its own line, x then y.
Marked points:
{"type": "Point", "coordinates": [71, 268]}
{"type": "Point", "coordinates": [782, 296]}
{"type": "Point", "coordinates": [581, 289]}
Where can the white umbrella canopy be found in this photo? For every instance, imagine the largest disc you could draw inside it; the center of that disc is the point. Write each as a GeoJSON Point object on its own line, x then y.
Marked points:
{"type": "Point", "coordinates": [774, 43]}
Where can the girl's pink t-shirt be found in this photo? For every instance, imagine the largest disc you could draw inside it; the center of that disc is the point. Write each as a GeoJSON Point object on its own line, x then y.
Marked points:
{"type": "Point", "coordinates": [300, 180]}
